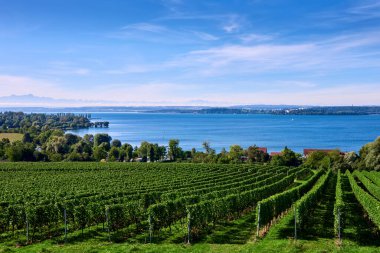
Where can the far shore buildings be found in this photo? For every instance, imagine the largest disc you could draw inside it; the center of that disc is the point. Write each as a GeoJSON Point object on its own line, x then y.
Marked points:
{"type": "Point", "coordinates": [275, 153]}
{"type": "Point", "coordinates": [263, 149]}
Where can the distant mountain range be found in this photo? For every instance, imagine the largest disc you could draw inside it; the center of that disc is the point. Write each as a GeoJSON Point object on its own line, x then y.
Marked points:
{"type": "Point", "coordinates": [30, 103]}
{"type": "Point", "coordinates": [31, 100]}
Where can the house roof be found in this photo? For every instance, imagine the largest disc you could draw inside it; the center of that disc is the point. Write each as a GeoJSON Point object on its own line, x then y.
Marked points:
{"type": "Point", "coordinates": [263, 149]}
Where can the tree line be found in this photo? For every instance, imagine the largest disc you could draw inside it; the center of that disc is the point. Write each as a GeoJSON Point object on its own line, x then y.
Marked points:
{"type": "Point", "coordinates": [56, 145]}
{"type": "Point", "coordinates": [44, 139]}
{"type": "Point", "coordinates": [19, 122]}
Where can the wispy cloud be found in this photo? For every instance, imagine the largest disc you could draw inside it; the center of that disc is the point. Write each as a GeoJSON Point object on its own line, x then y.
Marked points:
{"type": "Point", "coordinates": [162, 34]}
{"type": "Point", "coordinates": [347, 94]}
{"type": "Point", "coordinates": [342, 52]}
{"type": "Point", "coordinates": [363, 10]}
{"type": "Point", "coordinates": [147, 27]}
{"type": "Point", "coordinates": [132, 69]}
{"type": "Point", "coordinates": [205, 36]}
{"type": "Point", "coordinates": [60, 68]}
{"type": "Point", "coordinates": [172, 5]}
{"type": "Point", "coordinates": [366, 10]}
{"type": "Point", "coordinates": [21, 85]}
{"type": "Point", "coordinates": [254, 37]}
{"type": "Point", "coordinates": [232, 25]}
{"type": "Point", "coordinates": [164, 93]}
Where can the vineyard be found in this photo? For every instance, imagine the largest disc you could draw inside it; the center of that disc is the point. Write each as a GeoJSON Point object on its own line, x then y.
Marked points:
{"type": "Point", "coordinates": [193, 205]}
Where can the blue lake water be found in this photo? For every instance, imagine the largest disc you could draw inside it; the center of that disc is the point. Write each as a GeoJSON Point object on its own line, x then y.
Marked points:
{"type": "Point", "coordinates": [272, 131]}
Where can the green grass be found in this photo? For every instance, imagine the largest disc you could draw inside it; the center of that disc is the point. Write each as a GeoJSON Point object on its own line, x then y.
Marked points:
{"type": "Point", "coordinates": [357, 226]}
{"type": "Point", "coordinates": [11, 136]}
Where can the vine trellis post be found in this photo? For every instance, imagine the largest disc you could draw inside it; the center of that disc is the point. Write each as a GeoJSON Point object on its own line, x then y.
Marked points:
{"type": "Point", "coordinates": [108, 224]}
{"type": "Point", "coordinates": [339, 226]}
{"type": "Point", "coordinates": [65, 217]}
{"type": "Point", "coordinates": [295, 221]}
{"type": "Point", "coordinates": [150, 229]}
{"type": "Point", "coordinates": [188, 228]}
{"type": "Point", "coordinates": [27, 230]}
{"type": "Point", "coordinates": [258, 221]}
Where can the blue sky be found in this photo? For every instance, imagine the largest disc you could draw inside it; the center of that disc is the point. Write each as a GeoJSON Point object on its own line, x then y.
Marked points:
{"type": "Point", "coordinates": [192, 52]}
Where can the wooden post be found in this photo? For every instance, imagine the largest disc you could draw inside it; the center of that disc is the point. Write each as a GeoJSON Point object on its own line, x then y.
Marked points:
{"type": "Point", "coordinates": [339, 228]}
{"type": "Point", "coordinates": [188, 228]}
{"type": "Point", "coordinates": [258, 221]}
{"type": "Point", "coordinates": [150, 229]}
{"type": "Point", "coordinates": [65, 217]}
{"type": "Point", "coordinates": [27, 231]}
{"type": "Point", "coordinates": [108, 224]}
{"type": "Point", "coordinates": [295, 221]}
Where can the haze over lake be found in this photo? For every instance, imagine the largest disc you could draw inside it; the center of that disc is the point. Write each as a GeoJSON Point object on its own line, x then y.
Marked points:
{"type": "Point", "coordinates": [348, 133]}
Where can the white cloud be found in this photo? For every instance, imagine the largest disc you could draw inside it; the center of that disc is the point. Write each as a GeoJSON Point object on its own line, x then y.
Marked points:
{"type": "Point", "coordinates": [20, 85]}
{"type": "Point", "coordinates": [233, 24]}
{"type": "Point", "coordinates": [166, 93]}
{"type": "Point", "coordinates": [81, 71]}
{"type": "Point", "coordinates": [348, 94]}
{"type": "Point", "coordinates": [154, 91]}
{"type": "Point", "coordinates": [254, 37]}
{"type": "Point", "coordinates": [205, 36]}
{"type": "Point", "coordinates": [231, 27]}
{"type": "Point", "coordinates": [362, 11]}
{"type": "Point", "coordinates": [66, 68]}
{"type": "Point", "coordinates": [146, 27]}
{"type": "Point", "coordinates": [161, 34]}
{"type": "Point", "coordinates": [131, 69]}
{"type": "Point", "coordinates": [341, 52]}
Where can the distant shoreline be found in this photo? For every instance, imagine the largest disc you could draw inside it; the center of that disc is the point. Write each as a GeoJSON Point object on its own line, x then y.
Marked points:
{"type": "Point", "coordinates": [249, 109]}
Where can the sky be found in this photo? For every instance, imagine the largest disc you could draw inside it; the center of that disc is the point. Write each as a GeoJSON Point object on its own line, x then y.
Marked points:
{"type": "Point", "coordinates": [192, 52]}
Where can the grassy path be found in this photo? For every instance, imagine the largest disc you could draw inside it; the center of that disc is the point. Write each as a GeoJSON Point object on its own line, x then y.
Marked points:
{"type": "Point", "coordinates": [233, 232]}
{"type": "Point", "coordinates": [321, 222]}
{"type": "Point", "coordinates": [357, 227]}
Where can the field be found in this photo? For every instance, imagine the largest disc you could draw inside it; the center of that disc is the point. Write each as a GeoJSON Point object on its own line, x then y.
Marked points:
{"type": "Point", "coordinates": [11, 136]}
{"type": "Point", "coordinates": [158, 207]}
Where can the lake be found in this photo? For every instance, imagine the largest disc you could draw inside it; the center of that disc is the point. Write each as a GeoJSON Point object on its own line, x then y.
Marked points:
{"type": "Point", "coordinates": [348, 133]}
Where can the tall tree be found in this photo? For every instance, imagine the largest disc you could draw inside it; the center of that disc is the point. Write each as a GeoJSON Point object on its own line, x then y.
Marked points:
{"type": "Point", "coordinates": [102, 138]}
{"type": "Point", "coordinates": [174, 149]}
{"type": "Point", "coordinates": [116, 143]}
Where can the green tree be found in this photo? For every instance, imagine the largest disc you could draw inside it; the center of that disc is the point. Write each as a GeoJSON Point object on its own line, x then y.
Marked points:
{"type": "Point", "coordinates": [159, 152]}
{"type": "Point", "coordinates": [74, 157]}
{"type": "Point", "coordinates": [314, 159]}
{"type": "Point", "coordinates": [174, 149]}
{"type": "Point", "coordinates": [114, 154]}
{"type": "Point", "coordinates": [286, 158]}
{"type": "Point", "coordinates": [89, 138]}
{"type": "Point", "coordinates": [236, 153]}
{"type": "Point", "coordinates": [116, 143]}
{"type": "Point", "coordinates": [27, 138]}
{"type": "Point", "coordinates": [321, 159]}
{"type": "Point", "coordinates": [128, 152]}
{"type": "Point", "coordinates": [207, 147]}
{"type": "Point", "coordinates": [144, 150]}
{"type": "Point", "coordinates": [370, 155]}
{"type": "Point", "coordinates": [72, 139]}
{"type": "Point", "coordinates": [57, 144]}
{"type": "Point", "coordinates": [100, 152]}
{"type": "Point", "coordinates": [102, 138]}
{"type": "Point", "coordinates": [19, 151]}
{"type": "Point", "coordinates": [256, 155]}
{"type": "Point", "coordinates": [3, 144]}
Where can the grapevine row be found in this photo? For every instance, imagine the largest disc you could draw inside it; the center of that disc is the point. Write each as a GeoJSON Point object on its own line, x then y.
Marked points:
{"type": "Point", "coordinates": [369, 203]}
